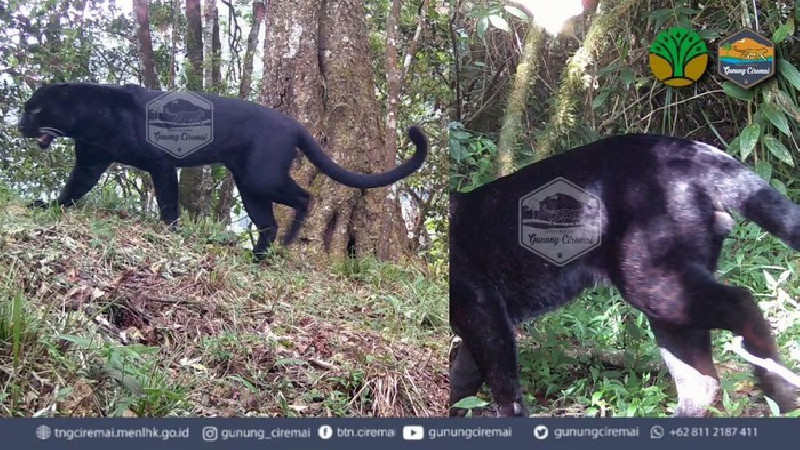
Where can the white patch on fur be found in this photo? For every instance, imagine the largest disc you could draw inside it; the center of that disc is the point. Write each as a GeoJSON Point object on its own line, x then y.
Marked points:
{"type": "Point", "coordinates": [295, 32]}
{"type": "Point", "coordinates": [723, 223]}
{"type": "Point", "coordinates": [712, 149]}
{"type": "Point", "coordinates": [695, 390]}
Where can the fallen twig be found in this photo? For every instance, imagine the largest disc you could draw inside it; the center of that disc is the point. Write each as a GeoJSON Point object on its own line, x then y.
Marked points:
{"type": "Point", "coordinates": [768, 364]}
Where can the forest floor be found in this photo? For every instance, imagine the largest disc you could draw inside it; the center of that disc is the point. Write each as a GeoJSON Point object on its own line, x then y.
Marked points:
{"type": "Point", "coordinates": [103, 314]}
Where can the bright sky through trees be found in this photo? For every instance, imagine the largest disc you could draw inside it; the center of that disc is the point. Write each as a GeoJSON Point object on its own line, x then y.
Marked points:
{"type": "Point", "coordinates": [551, 14]}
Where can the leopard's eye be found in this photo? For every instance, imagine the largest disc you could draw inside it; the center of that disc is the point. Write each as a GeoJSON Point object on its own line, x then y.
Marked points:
{"type": "Point", "coordinates": [35, 111]}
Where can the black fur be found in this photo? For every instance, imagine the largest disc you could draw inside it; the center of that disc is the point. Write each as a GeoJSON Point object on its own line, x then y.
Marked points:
{"type": "Point", "coordinates": [255, 143]}
{"type": "Point", "coordinates": [663, 208]}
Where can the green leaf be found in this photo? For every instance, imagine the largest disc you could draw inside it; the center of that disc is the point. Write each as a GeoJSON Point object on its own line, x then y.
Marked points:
{"type": "Point", "coordinates": [516, 12]}
{"type": "Point", "coordinates": [764, 170]}
{"type": "Point", "coordinates": [778, 150]}
{"type": "Point", "coordinates": [780, 34]}
{"type": "Point", "coordinates": [786, 103]}
{"type": "Point", "coordinates": [789, 72]}
{"type": "Point", "coordinates": [601, 97]}
{"type": "Point", "coordinates": [627, 76]}
{"type": "Point", "coordinates": [773, 407]}
{"type": "Point", "coordinates": [734, 147]}
{"type": "Point", "coordinates": [709, 34]}
{"type": "Point", "coordinates": [455, 151]}
{"type": "Point", "coordinates": [483, 25]}
{"type": "Point", "coordinates": [499, 22]}
{"type": "Point", "coordinates": [737, 92]}
{"type": "Point", "coordinates": [774, 115]}
{"type": "Point", "coordinates": [748, 139]}
{"type": "Point", "coordinates": [461, 135]}
{"type": "Point", "coordinates": [726, 401]}
{"type": "Point", "coordinates": [77, 340]}
{"type": "Point", "coordinates": [471, 403]}
{"type": "Point", "coordinates": [779, 186]}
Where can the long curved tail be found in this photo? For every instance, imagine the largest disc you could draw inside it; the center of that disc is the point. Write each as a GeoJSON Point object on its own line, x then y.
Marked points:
{"type": "Point", "coordinates": [326, 165]}
{"type": "Point", "coordinates": [737, 187]}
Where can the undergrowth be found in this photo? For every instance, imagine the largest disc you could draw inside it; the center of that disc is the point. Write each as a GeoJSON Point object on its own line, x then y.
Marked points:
{"type": "Point", "coordinates": [105, 314]}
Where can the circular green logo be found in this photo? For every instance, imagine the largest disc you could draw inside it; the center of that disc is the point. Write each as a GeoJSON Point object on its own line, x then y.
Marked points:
{"type": "Point", "coordinates": [678, 57]}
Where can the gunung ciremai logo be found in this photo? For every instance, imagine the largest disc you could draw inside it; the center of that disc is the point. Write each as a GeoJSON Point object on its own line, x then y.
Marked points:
{"type": "Point", "coordinates": [560, 221]}
{"type": "Point", "coordinates": [180, 122]}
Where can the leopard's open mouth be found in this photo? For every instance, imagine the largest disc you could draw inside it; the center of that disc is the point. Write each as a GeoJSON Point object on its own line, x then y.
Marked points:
{"type": "Point", "coordinates": [46, 136]}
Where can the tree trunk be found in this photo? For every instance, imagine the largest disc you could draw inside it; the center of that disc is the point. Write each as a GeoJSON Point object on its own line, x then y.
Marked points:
{"type": "Point", "coordinates": [149, 77]}
{"type": "Point", "coordinates": [259, 11]}
{"type": "Point", "coordinates": [216, 52]}
{"type": "Point", "coordinates": [209, 8]}
{"type": "Point", "coordinates": [194, 181]}
{"type": "Point", "coordinates": [173, 56]}
{"type": "Point", "coordinates": [393, 83]}
{"type": "Point", "coordinates": [194, 46]}
{"type": "Point", "coordinates": [145, 45]}
{"type": "Point", "coordinates": [517, 98]}
{"type": "Point", "coordinates": [214, 175]}
{"type": "Point", "coordinates": [317, 68]}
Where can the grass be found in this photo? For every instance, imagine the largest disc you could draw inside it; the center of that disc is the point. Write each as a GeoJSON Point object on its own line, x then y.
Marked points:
{"type": "Point", "coordinates": [104, 314]}
{"type": "Point", "coordinates": [571, 363]}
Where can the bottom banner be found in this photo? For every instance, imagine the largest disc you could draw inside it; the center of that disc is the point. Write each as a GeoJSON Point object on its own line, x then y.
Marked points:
{"type": "Point", "coordinates": [354, 434]}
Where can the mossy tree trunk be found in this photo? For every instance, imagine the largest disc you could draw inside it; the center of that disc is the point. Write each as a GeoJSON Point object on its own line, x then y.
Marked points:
{"type": "Point", "coordinates": [523, 80]}
{"type": "Point", "coordinates": [569, 100]}
{"type": "Point", "coordinates": [317, 69]}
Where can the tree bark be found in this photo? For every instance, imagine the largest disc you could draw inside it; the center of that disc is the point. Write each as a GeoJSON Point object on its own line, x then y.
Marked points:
{"type": "Point", "coordinates": [517, 98]}
{"type": "Point", "coordinates": [216, 52]}
{"type": "Point", "coordinates": [173, 59]}
{"type": "Point", "coordinates": [145, 45]}
{"type": "Point", "coordinates": [317, 68]}
{"type": "Point", "coordinates": [393, 83]}
{"type": "Point", "coordinates": [209, 8]}
{"type": "Point", "coordinates": [259, 11]}
{"type": "Point", "coordinates": [216, 174]}
{"type": "Point", "coordinates": [194, 46]}
{"type": "Point", "coordinates": [194, 181]}
{"type": "Point", "coordinates": [149, 78]}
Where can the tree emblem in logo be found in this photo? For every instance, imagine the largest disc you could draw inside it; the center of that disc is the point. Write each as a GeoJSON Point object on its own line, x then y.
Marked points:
{"type": "Point", "coordinates": [678, 57]}
{"type": "Point", "coordinates": [560, 221]}
{"type": "Point", "coordinates": [180, 122]}
{"type": "Point", "coordinates": [746, 58]}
